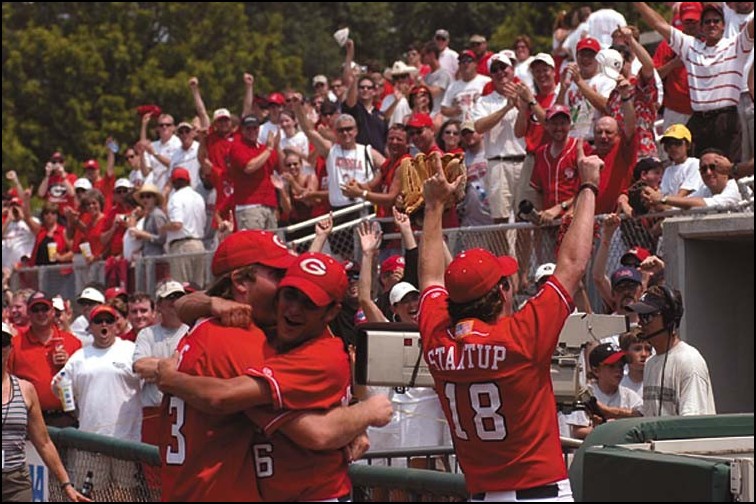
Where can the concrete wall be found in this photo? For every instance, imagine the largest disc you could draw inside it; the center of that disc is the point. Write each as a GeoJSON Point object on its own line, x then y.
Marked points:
{"type": "Point", "coordinates": [710, 259]}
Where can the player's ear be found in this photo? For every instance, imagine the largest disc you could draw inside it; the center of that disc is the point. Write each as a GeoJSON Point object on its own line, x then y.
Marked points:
{"type": "Point", "coordinates": [331, 312]}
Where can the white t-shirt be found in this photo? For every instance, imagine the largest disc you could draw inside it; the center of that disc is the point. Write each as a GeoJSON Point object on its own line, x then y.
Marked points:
{"type": "Point", "coordinates": [734, 24]}
{"type": "Point", "coordinates": [681, 176]}
{"type": "Point", "coordinates": [449, 61]}
{"type": "Point", "coordinates": [522, 72]}
{"type": "Point", "coordinates": [159, 174]}
{"type": "Point", "coordinates": [187, 207]}
{"type": "Point", "coordinates": [499, 140]}
{"type": "Point", "coordinates": [636, 387]}
{"type": "Point", "coordinates": [582, 112]}
{"type": "Point", "coordinates": [188, 159]}
{"type": "Point", "coordinates": [729, 196]}
{"type": "Point", "coordinates": [465, 94]}
{"type": "Point", "coordinates": [602, 23]}
{"type": "Point", "coordinates": [18, 241]}
{"type": "Point", "coordinates": [156, 341]}
{"type": "Point", "coordinates": [441, 79]}
{"type": "Point", "coordinates": [401, 111]}
{"type": "Point", "coordinates": [268, 127]}
{"type": "Point", "coordinates": [106, 390]}
{"type": "Point", "coordinates": [297, 142]}
{"type": "Point", "coordinates": [686, 389]}
{"type": "Point", "coordinates": [343, 166]}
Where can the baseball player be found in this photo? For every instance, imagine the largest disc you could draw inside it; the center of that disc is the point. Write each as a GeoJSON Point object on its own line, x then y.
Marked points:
{"type": "Point", "coordinates": [492, 368]}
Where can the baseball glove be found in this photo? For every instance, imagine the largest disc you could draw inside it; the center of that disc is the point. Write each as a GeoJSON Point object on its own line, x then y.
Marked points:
{"type": "Point", "coordinates": [415, 171]}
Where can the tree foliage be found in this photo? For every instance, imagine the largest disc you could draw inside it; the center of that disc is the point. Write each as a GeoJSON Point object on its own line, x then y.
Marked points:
{"type": "Point", "coordinates": [74, 72]}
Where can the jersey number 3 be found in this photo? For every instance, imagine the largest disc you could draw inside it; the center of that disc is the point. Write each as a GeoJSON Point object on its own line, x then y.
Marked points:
{"type": "Point", "coordinates": [177, 456]}
{"type": "Point", "coordinates": [485, 401]}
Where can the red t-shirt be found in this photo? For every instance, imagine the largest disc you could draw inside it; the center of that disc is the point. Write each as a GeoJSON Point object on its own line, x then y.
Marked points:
{"type": "Point", "coordinates": [115, 247]}
{"type": "Point", "coordinates": [208, 457]}
{"type": "Point", "coordinates": [321, 173]}
{"type": "Point", "coordinates": [218, 151]}
{"type": "Point", "coordinates": [616, 174]}
{"type": "Point", "coordinates": [106, 185]}
{"type": "Point", "coordinates": [57, 193]}
{"type": "Point", "coordinates": [556, 178]}
{"type": "Point", "coordinates": [315, 375]}
{"type": "Point", "coordinates": [536, 135]}
{"type": "Point", "coordinates": [253, 188]}
{"type": "Point", "coordinates": [494, 384]}
{"type": "Point", "coordinates": [32, 361]}
{"type": "Point", "coordinates": [483, 63]}
{"type": "Point", "coordinates": [676, 88]}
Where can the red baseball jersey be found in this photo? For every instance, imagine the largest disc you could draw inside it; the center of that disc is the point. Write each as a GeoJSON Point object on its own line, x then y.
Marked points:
{"type": "Point", "coordinates": [494, 384]}
{"type": "Point", "coordinates": [556, 178]}
{"type": "Point", "coordinates": [315, 375]}
{"type": "Point", "coordinates": [208, 457]}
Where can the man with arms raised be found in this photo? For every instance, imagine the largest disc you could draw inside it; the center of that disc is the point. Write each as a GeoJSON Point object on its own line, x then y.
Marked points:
{"type": "Point", "coordinates": [492, 368]}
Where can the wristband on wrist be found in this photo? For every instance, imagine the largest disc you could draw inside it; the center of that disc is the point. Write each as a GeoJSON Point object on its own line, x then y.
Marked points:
{"type": "Point", "coordinates": [589, 185]}
{"type": "Point", "coordinates": [364, 193]}
{"type": "Point", "coordinates": [66, 484]}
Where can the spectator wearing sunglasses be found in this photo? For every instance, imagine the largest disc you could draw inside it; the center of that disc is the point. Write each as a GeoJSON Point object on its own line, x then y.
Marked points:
{"type": "Point", "coordinates": [158, 154]}
{"type": "Point", "coordinates": [104, 386]}
{"type": "Point", "coordinates": [39, 352]}
{"type": "Point", "coordinates": [719, 189]}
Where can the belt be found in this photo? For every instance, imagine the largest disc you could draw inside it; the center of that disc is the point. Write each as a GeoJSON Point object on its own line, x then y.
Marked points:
{"type": "Point", "coordinates": [179, 240]}
{"type": "Point", "coordinates": [507, 158]}
{"type": "Point", "coordinates": [541, 492]}
{"type": "Point", "coordinates": [55, 414]}
{"type": "Point", "coordinates": [716, 112]}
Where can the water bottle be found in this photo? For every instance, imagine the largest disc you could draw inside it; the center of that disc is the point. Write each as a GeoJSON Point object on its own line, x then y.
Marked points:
{"type": "Point", "coordinates": [112, 145]}
{"type": "Point", "coordinates": [88, 486]}
{"type": "Point", "coordinates": [65, 392]}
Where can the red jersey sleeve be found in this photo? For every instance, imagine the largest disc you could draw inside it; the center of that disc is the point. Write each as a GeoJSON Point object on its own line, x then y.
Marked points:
{"type": "Point", "coordinates": [315, 375]}
{"type": "Point", "coordinates": [433, 316]}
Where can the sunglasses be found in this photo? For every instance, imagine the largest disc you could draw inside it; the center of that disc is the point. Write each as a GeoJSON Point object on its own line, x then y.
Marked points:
{"type": "Point", "coordinates": [165, 125]}
{"type": "Point", "coordinates": [132, 156]}
{"type": "Point", "coordinates": [645, 318]}
{"type": "Point", "coordinates": [367, 87]}
{"type": "Point", "coordinates": [147, 195]}
{"type": "Point", "coordinates": [451, 132]}
{"type": "Point", "coordinates": [498, 68]}
{"type": "Point", "coordinates": [706, 167]}
{"type": "Point", "coordinates": [711, 21]}
{"type": "Point", "coordinates": [174, 296]}
{"type": "Point", "coordinates": [39, 308]}
{"type": "Point", "coordinates": [353, 276]}
{"type": "Point", "coordinates": [291, 165]}
{"type": "Point", "coordinates": [345, 129]}
{"type": "Point", "coordinates": [103, 320]}
{"type": "Point", "coordinates": [121, 190]}
{"type": "Point", "coordinates": [184, 131]}
{"type": "Point", "coordinates": [414, 131]}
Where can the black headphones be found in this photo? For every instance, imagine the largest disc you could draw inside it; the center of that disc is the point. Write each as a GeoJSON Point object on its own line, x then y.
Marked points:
{"type": "Point", "coordinates": [673, 308]}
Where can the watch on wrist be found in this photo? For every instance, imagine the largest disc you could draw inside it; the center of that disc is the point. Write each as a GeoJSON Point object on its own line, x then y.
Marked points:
{"type": "Point", "coordinates": [564, 206]}
{"type": "Point", "coordinates": [663, 200]}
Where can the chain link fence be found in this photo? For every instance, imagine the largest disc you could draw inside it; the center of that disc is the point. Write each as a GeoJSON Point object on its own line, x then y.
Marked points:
{"type": "Point", "coordinates": [532, 246]}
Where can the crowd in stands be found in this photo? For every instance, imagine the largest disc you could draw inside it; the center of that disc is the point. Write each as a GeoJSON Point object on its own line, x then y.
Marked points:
{"type": "Point", "coordinates": [517, 117]}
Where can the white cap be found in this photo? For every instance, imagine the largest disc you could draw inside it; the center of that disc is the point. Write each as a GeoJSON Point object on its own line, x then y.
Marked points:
{"type": "Point", "coordinates": [544, 270]}
{"type": "Point", "coordinates": [58, 303]}
{"type": "Point", "coordinates": [499, 56]}
{"type": "Point", "coordinates": [400, 290]}
{"type": "Point", "coordinates": [92, 294]}
{"type": "Point", "coordinates": [83, 183]}
{"type": "Point", "coordinates": [123, 182]}
{"type": "Point", "coordinates": [167, 288]}
{"type": "Point", "coordinates": [611, 62]}
{"type": "Point", "coordinates": [543, 58]}
{"type": "Point", "coordinates": [319, 79]}
{"type": "Point", "coordinates": [402, 68]}
{"type": "Point", "coordinates": [341, 36]}
{"type": "Point", "coordinates": [221, 113]}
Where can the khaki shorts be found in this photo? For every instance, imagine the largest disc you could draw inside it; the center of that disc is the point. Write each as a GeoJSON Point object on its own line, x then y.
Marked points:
{"type": "Point", "coordinates": [258, 217]}
{"type": "Point", "coordinates": [502, 181]}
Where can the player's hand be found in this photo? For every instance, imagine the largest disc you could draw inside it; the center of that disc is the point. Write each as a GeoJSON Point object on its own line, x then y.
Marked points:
{"type": "Point", "coordinates": [357, 447]}
{"type": "Point", "coordinates": [193, 82]}
{"type": "Point", "coordinates": [324, 226]}
{"type": "Point", "coordinates": [370, 237]}
{"type": "Point", "coordinates": [380, 409]}
{"type": "Point", "coordinates": [165, 368]}
{"type": "Point", "coordinates": [231, 313]}
{"type": "Point", "coordinates": [249, 79]}
{"type": "Point", "coordinates": [589, 167]}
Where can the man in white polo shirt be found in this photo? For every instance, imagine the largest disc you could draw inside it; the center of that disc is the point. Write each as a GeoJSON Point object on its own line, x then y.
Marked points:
{"type": "Point", "coordinates": [186, 227]}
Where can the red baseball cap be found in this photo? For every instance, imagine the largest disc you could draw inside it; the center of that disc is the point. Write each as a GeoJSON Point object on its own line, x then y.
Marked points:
{"type": "Point", "coordinates": [56, 156]}
{"type": "Point", "coordinates": [276, 98]}
{"type": "Point", "coordinates": [153, 110]}
{"type": "Point", "coordinates": [320, 277]}
{"type": "Point", "coordinates": [557, 109]}
{"type": "Point", "coordinates": [248, 247]}
{"type": "Point", "coordinates": [474, 272]}
{"type": "Point", "coordinates": [420, 120]}
{"type": "Point", "coordinates": [39, 297]}
{"type": "Point", "coordinates": [691, 11]}
{"type": "Point", "coordinates": [180, 173]}
{"type": "Point", "coordinates": [588, 43]}
{"type": "Point", "coordinates": [639, 253]}
{"type": "Point", "coordinates": [467, 53]}
{"type": "Point", "coordinates": [114, 292]}
{"type": "Point", "coordinates": [91, 164]}
{"type": "Point", "coordinates": [393, 263]}
{"type": "Point", "coordinates": [103, 308]}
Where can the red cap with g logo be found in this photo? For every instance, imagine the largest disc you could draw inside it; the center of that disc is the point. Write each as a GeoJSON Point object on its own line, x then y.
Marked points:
{"type": "Point", "coordinates": [320, 277]}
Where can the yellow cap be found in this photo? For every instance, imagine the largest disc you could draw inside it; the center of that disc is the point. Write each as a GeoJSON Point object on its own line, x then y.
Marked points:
{"type": "Point", "coordinates": [679, 132]}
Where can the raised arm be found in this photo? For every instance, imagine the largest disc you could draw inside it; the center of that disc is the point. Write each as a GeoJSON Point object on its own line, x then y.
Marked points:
{"type": "Point", "coordinates": [370, 242]}
{"type": "Point", "coordinates": [436, 191]}
{"type": "Point", "coordinates": [578, 241]}
{"type": "Point", "coordinates": [199, 105]}
{"type": "Point", "coordinates": [197, 305]}
{"type": "Point", "coordinates": [598, 272]}
{"type": "Point", "coordinates": [322, 229]}
{"type": "Point", "coordinates": [657, 21]}
{"type": "Point", "coordinates": [347, 75]}
{"type": "Point", "coordinates": [249, 94]}
{"type": "Point", "coordinates": [321, 145]}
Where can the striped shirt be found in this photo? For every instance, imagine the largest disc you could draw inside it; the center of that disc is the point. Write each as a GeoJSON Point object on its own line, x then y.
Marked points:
{"type": "Point", "coordinates": [15, 421]}
{"type": "Point", "coordinates": [715, 73]}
